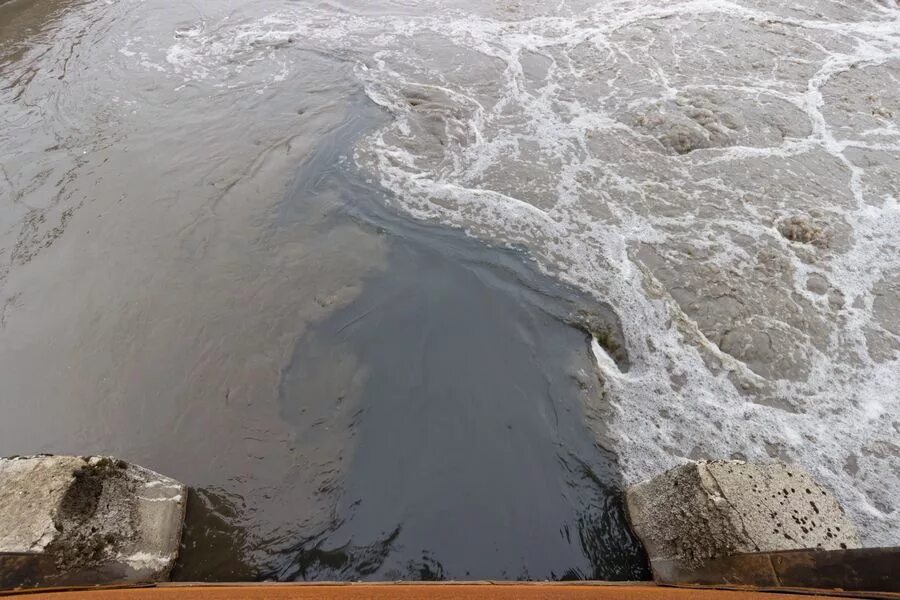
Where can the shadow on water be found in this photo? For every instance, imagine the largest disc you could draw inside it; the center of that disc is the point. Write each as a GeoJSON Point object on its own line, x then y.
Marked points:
{"type": "Point", "coordinates": [214, 545]}
{"type": "Point", "coordinates": [472, 458]}
{"type": "Point", "coordinates": [461, 388]}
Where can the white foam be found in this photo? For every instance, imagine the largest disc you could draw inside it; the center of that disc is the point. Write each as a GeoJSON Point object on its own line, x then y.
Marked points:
{"type": "Point", "coordinates": [142, 561]}
{"type": "Point", "coordinates": [847, 404]}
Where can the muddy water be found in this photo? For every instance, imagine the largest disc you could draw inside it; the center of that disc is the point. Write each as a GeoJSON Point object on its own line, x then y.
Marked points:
{"type": "Point", "coordinates": [464, 396]}
{"type": "Point", "coordinates": [246, 247]}
{"type": "Point", "coordinates": [201, 280]}
{"type": "Point", "coordinates": [438, 419]}
{"type": "Point", "coordinates": [464, 390]}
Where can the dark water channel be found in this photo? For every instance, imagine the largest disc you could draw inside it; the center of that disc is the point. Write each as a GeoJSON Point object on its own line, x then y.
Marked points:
{"type": "Point", "coordinates": [461, 391]}
{"type": "Point", "coordinates": [471, 458]}
{"type": "Point", "coordinates": [349, 394]}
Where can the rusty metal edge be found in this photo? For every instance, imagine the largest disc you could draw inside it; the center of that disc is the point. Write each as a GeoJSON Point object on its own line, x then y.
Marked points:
{"type": "Point", "coordinates": [255, 584]}
{"type": "Point", "coordinates": [837, 593]}
{"type": "Point", "coordinates": [82, 588]}
{"type": "Point", "coordinates": [481, 583]}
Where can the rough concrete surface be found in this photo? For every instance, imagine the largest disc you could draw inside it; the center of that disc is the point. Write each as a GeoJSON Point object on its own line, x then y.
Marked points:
{"type": "Point", "coordinates": [705, 510]}
{"type": "Point", "coordinates": [99, 520]}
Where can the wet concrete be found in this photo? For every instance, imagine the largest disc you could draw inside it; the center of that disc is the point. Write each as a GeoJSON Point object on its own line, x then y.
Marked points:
{"type": "Point", "coordinates": [74, 520]}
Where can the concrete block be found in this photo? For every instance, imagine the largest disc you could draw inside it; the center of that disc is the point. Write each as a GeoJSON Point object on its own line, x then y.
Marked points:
{"type": "Point", "coordinates": [82, 520]}
{"type": "Point", "coordinates": [707, 510]}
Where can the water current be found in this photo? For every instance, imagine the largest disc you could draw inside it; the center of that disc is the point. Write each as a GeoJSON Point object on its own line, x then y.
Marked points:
{"type": "Point", "coordinates": [412, 289]}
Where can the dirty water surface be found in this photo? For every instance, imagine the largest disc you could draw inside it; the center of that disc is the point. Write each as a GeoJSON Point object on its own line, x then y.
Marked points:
{"type": "Point", "coordinates": [203, 281]}
{"type": "Point", "coordinates": [412, 289]}
{"type": "Point", "coordinates": [464, 391]}
{"type": "Point", "coordinates": [439, 419]}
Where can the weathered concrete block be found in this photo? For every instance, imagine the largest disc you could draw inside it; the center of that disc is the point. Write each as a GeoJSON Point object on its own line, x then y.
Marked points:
{"type": "Point", "coordinates": [81, 520]}
{"type": "Point", "coordinates": [707, 510]}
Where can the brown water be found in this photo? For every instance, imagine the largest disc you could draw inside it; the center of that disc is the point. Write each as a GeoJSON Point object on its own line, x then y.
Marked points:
{"type": "Point", "coordinates": [200, 281]}
{"type": "Point", "coordinates": [232, 249]}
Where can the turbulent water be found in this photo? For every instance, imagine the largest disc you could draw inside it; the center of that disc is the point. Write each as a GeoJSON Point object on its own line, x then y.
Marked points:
{"type": "Point", "coordinates": [724, 175]}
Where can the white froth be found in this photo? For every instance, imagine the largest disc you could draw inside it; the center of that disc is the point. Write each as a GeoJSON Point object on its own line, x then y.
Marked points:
{"type": "Point", "coordinates": [684, 396]}
{"type": "Point", "coordinates": [141, 561]}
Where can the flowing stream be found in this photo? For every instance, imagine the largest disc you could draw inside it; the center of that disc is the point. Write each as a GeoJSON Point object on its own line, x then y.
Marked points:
{"type": "Point", "coordinates": [413, 288]}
